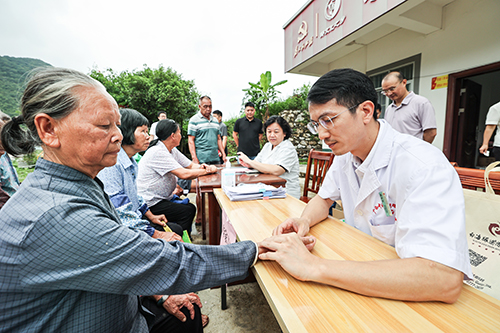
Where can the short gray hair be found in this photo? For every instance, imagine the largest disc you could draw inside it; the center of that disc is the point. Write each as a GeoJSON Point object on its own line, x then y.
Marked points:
{"type": "Point", "coordinates": [50, 90]}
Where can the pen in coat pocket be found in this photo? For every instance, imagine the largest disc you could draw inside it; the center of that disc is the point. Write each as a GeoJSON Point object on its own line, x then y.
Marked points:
{"type": "Point", "coordinates": [385, 204]}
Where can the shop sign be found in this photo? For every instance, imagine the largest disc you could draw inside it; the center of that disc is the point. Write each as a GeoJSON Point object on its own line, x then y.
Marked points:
{"type": "Point", "coordinates": [439, 82]}
{"type": "Point", "coordinates": [324, 22]}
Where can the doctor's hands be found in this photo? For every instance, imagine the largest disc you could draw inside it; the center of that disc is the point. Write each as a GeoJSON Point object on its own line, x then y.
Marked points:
{"type": "Point", "coordinates": [293, 224]}
{"type": "Point", "coordinates": [291, 252]}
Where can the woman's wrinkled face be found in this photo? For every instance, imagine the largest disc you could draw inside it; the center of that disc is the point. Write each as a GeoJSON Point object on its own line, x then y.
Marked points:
{"type": "Point", "coordinates": [89, 137]}
{"type": "Point", "coordinates": [141, 136]}
{"type": "Point", "coordinates": [275, 134]}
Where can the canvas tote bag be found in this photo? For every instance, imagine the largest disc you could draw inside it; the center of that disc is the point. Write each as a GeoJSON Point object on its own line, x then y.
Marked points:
{"type": "Point", "coordinates": [482, 222]}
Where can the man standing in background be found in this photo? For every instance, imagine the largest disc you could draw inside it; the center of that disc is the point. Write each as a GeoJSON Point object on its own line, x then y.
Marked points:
{"type": "Point", "coordinates": [492, 122]}
{"type": "Point", "coordinates": [223, 131]}
{"type": "Point", "coordinates": [152, 132]}
{"type": "Point", "coordinates": [204, 135]}
{"type": "Point", "coordinates": [409, 113]}
{"type": "Point", "coordinates": [248, 132]}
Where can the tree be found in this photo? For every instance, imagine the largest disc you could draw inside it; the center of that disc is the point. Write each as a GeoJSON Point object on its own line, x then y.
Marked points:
{"type": "Point", "coordinates": [152, 90]}
{"type": "Point", "coordinates": [263, 93]}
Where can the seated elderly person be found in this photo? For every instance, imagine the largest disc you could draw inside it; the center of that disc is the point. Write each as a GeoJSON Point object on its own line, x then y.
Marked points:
{"type": "Point", "coordinates": [278, 157]}
{"type": "Point", "coordinates": [120, 180]}
{"type": "Point", "coordinates": [119, 184]}
{"type": "Point", "coordinates": [68, 263]}
{"type": "Point", "coordinates": [158, 171]}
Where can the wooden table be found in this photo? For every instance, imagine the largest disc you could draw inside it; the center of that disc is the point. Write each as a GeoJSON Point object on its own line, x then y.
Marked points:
{"type": "Point", "coordinates": [207, 184]}
{"type": "Point", "coordinates": [313, 307]}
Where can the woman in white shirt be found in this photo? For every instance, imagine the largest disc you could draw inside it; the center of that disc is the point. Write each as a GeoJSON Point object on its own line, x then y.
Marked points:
{"type": "Point", "coordinates": [159, 169]}
{"type": "Point", "coordinates": [278, 157]}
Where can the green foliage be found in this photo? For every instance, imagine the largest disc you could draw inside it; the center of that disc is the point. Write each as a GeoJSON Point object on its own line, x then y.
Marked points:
{"type": "Point", "coordinates": [150, 91]}
{"type": "Point", "coordinates": [231, 145]}
{"type": "Point", "coordinates": [12, 76]}
{"type": "Point", "coordinates": [298, 101]}
{"type": "Point", "coordinates": [262, 94]}
{"type": "Point", "coordinates": [22, 173]}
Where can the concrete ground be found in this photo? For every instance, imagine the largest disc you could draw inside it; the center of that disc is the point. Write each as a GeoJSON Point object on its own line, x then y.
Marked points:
{"type": "Point", "coordinates": [248, 310]}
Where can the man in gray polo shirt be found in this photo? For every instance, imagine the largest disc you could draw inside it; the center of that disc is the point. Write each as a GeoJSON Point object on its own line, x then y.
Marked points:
{"type": "Point", "coordinates": [409, 113]}
{"type": "Point", "coordinates": [204, 135]}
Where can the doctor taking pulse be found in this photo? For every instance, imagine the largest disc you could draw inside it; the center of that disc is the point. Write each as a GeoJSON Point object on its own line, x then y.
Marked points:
{"type": "Point", "coordinates": [394, 187]}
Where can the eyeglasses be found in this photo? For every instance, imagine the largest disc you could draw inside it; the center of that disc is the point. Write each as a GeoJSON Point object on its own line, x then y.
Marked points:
{"type": "Point", "coordinates": [325, 121]}
{"type": "Point", "coordinates": [390, 90]}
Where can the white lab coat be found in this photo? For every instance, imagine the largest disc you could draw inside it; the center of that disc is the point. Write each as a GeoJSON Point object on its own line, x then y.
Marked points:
{"type": "Point", "coordinates": [422, 189]}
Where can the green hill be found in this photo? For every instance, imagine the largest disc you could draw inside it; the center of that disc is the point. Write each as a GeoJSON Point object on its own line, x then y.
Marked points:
{"type": "Point", "coordinates": [12, 79]}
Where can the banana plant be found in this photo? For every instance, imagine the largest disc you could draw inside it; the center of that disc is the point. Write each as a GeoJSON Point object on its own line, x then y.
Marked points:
{"type": "Point", "coordinates": [264, 91]}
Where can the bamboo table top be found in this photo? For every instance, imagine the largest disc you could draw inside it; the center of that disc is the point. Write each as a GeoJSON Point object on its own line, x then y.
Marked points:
{"type": "Point", "coordinates": [312, 307]}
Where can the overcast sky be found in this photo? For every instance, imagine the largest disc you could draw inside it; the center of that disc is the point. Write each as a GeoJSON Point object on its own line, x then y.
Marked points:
{"type": "Point", "coordinates": [221, 45]}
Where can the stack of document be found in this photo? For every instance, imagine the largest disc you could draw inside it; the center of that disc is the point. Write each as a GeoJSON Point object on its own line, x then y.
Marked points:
{"type": "Point", "coordinates": [257, 191]}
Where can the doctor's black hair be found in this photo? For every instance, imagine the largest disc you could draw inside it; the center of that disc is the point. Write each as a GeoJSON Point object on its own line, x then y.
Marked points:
{"type": "Point", "coordinates": [347, 86]}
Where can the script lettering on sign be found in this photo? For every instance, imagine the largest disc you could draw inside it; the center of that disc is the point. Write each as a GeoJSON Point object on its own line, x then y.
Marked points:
{"type": "Point", "coordinates": [303, 46]}
{"type": "Point", "coordinates": [332, 27]}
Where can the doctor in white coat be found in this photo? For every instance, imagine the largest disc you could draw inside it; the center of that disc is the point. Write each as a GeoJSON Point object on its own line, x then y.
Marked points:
{"type": "Point", "coordinates": [394, 187]}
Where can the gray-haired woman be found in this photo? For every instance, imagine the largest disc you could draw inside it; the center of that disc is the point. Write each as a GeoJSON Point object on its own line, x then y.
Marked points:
{"type": "Point", "coordinates": [68, 264]}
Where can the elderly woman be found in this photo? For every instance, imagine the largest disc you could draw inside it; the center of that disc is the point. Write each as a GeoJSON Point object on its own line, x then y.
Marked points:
{"type": "Point", "coordinates": [159, 169]}
{"type": "Point", "coordinates": [68, 263]}
{"type": "Point", "coordinates": [120, 180]}
{"type": "Point", "coordinates": [278, 157]}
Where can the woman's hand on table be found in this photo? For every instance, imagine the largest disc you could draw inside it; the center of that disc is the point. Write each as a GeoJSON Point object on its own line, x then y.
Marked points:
{"type": "Point", "coordinates": [293, 224]}
{"type": "Point", "coordinates": [291, 252]}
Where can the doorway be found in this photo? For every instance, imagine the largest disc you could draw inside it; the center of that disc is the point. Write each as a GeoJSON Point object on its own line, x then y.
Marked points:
{"type": "Point", "coordinates": [470, 95]}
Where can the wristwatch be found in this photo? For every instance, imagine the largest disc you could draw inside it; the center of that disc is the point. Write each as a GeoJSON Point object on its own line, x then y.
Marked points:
{"type": "Point", "coordinates": [162, 300]}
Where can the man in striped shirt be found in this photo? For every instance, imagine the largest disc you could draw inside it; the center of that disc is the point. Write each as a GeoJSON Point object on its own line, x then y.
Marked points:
{"type": "Point", "coordinates": [204, 135]}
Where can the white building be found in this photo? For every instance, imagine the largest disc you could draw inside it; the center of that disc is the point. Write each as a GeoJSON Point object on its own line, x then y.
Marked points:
{"type": "Point", "coordinates": [449, 50]}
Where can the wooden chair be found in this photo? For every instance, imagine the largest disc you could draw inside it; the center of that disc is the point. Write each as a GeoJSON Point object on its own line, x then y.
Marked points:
{"type": "Point", "coordinates": [473, 179]}
{"type": "Point", "coordinates": [318, 164]}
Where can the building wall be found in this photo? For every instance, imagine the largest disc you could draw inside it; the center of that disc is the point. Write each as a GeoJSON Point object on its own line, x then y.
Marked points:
{"type": "Point", "coordinates": [469, 38]}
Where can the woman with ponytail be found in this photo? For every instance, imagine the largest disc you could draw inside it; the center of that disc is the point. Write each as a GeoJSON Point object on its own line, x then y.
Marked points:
{"type": "Point", "coordinates": [159, 169]}
{"type": "Point", "coordinates": [67, 262]}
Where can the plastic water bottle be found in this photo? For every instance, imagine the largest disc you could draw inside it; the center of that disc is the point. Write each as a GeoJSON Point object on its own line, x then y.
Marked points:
{"type": "Point", "coordinates": [228, 175]}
